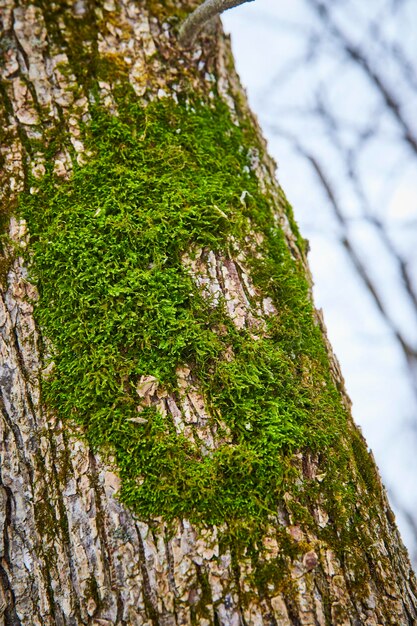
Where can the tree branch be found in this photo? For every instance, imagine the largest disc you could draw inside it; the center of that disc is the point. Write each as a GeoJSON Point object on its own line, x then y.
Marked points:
{"type": "Point", "coordinates": [359, 57]}
{"type": "Point", "coordinates": [203, 13]}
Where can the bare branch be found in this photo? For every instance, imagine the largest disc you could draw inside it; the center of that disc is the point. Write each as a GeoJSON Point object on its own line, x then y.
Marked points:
{"type": "Point", "coordinates": [358, 56]}
{"type": "Point", "coordinates": [350, 160]}
{"type": "Point", "coordinates": [409, 352]}
{"type": "Point", "coordinates": [203, 13]}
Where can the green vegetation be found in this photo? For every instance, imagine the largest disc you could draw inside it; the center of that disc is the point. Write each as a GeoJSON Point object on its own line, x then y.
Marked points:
{"type": "Point", "coordinates": [117, 303]}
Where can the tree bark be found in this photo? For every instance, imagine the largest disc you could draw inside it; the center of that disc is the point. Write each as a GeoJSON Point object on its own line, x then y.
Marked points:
{"type": "Point", "coordinates": [72, 551]}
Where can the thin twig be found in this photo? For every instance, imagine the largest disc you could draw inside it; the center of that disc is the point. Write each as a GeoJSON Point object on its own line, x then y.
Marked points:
{"type": "Point", "coordinates": [358, 56]}
{"type": "Point", "coordinates": [409, 352]}
{"type": "Point", "coordinates": [203, 13]}
{"type": "Point", "coordinates": [351, 161]}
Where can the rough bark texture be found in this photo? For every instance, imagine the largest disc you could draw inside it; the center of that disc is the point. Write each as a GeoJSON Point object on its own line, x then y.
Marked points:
{"type": "Point", "coordinates": [71, 553]}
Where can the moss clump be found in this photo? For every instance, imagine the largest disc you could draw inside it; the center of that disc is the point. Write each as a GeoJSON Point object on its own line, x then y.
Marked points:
{"type": "Point", "coordinates": [117, 303]}
{"type": "Point", "coordinates": [166, 9]}
{"type": "Point", "coordinates": [365, 464]}
{"type": "Point", "coordinates": [289, 212]}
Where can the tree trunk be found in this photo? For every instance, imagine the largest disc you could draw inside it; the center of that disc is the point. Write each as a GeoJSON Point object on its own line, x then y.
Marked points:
{"type": "Point", "coordinates": [176, 444]}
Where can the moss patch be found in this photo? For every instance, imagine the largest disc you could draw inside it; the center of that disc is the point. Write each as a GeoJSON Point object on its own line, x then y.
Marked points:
{"type": "Point", "coordinates": [117, 303]}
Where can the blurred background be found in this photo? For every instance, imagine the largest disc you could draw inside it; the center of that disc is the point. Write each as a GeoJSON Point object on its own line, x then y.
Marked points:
{"type": "Point", "coordinates": [334, 85]}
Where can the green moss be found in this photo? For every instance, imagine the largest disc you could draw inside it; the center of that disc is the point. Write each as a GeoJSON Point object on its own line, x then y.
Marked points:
{"type": "Point", "coordinates": [173, 10]}
{"type": "Point", "coordinates": [289, 212]}
{"type": "Point", "coordinates": [275, 571]}
{"type": "Point", "coordinates": [117, 303]}
{"type": "Point", "coordinates": [92, 592]}
{"type": "Point", "coordinates": [8, 200]}
{"type": "Point", "coordinates": [365, 464]}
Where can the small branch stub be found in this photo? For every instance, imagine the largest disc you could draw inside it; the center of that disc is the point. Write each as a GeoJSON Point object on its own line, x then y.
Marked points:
{"type": "Point", "coordinates": [203, 13]}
